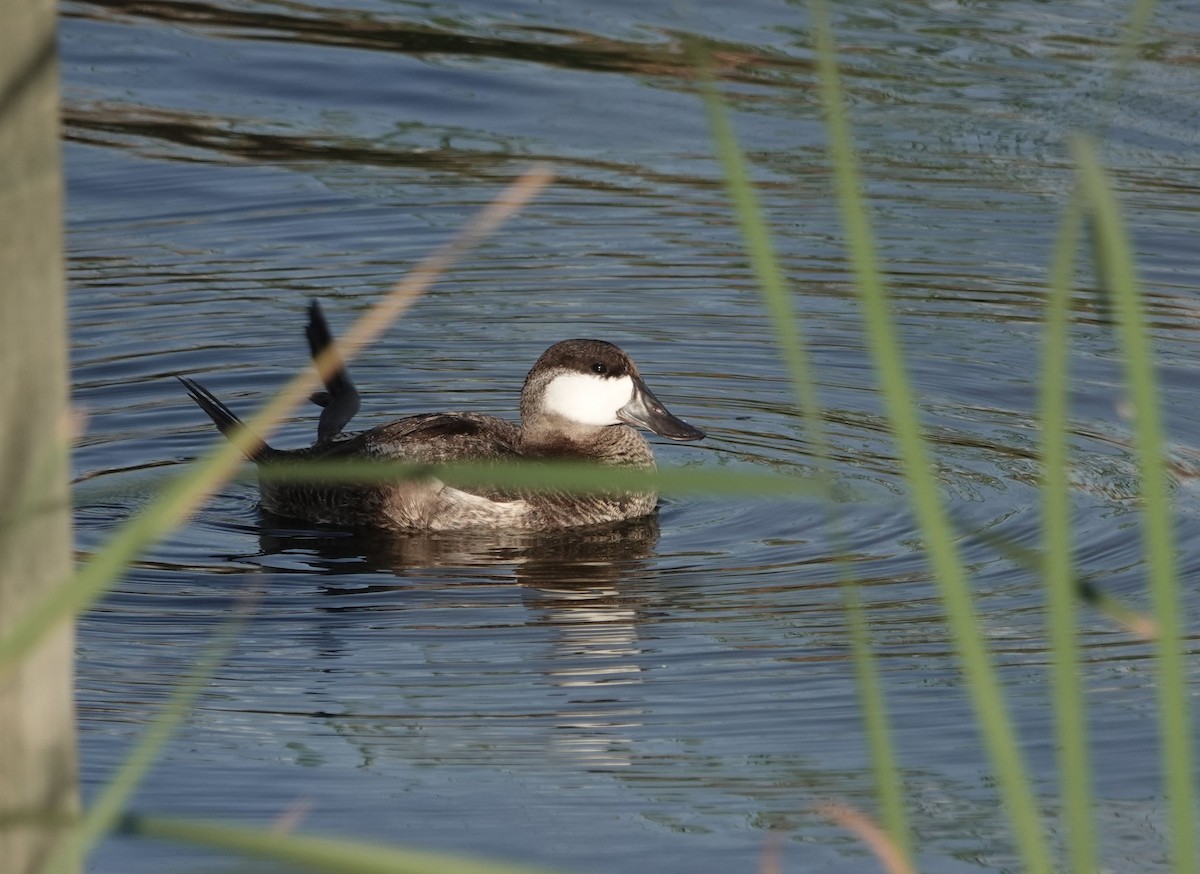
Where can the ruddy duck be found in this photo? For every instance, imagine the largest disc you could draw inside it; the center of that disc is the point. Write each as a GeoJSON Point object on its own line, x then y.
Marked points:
{"type": "Point", "coordinates": [578, 402]}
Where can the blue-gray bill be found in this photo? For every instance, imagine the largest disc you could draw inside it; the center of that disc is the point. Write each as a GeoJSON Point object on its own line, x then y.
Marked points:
{"type": "Point", "coordinates": [646, 410]}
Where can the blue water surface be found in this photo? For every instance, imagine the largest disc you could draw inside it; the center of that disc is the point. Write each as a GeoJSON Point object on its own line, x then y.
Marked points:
{"type": "Point", "coordinates": [679, 695]}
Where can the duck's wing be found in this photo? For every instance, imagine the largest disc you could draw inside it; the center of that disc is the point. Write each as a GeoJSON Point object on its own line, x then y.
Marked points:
{"type": "Point", "coordinates": [340, 399]}
{"type": "Point", "coordinates": [438, 438]}
{"type": "Point", "coordinates": [435, 438]}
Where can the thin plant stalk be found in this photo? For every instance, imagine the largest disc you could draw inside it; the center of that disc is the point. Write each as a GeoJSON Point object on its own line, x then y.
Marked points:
{"type": "Point", "coordinates": [105, 811]}
{"type": "Point", "coordinates": [310, 852]}
{"type": "Point", "coordinates": [1141, 13]}
{"type": "Point", "coordinates": [1116, 264]}
{"type": "Point", "coordinates": [1056, 563]}
{"type": "Point", "coordinates": [948, 570]}
{"type": "Point", "coordinates": [1085, 589]}
{"type": "Point", "coordinates": [574, 476]}
{"type": "Point", "coordinates": [789, 334]}
{"type": "Point", "coordinates": [892, 858]}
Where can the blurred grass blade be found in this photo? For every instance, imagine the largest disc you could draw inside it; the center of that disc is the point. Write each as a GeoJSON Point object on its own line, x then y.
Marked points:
{"type": "Point", "coordinates": [757, 238]}
{"type": "Point", "coordinates": [312, 853]}
{"type": "Point", "coordinates": [790, 337]}
{"type": "Point", "coordinates": [1057, 565]}
{"type": "Point", "coordinates": [105, 811]}
{"type": "Point", "coordinates": [980, 677]}
{"type": "Point", "coordinates": [184, 494]}
{"type": "Point", "coordinates": [1141, 13]}
{"type": "Point", "coordinates": [565, 475]}
{"type": "Point", "coordinates": [1116, 256]}
{"type": "Point", "coordinates": [1083, 587]}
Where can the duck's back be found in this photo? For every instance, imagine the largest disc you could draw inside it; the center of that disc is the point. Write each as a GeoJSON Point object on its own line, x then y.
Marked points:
{"type": "Point", "coordinates": [422, 502]}
{"type": "Point", "coordinates": [434, 438]}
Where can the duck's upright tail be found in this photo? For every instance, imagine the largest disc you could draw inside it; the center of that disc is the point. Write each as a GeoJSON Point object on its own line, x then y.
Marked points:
{"type": "Point", "coordinates": [224, 418]}
{"type": "Point", "coordinates": [340, 399]}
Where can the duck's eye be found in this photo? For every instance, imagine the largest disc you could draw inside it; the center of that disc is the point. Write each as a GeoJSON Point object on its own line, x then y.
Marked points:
{"type": "Point", "coordinates": [599, 367]}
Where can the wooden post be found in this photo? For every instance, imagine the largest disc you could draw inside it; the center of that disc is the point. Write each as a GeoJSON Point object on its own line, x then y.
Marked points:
{"type": "Point", "coordinates": [38, 771]}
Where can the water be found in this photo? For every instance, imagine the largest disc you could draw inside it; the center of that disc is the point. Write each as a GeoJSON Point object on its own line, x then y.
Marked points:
{"type": "Point", "coordinates": [677, 693]}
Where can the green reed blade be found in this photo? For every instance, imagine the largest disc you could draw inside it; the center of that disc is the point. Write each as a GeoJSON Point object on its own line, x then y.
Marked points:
{"type": "Point", "coordinates": [1116, 256]}
{"type": "Point", "coordinates": [1056, 562]}
{"type": "Point", "coordinates": [309, 852]}
{"type": "Point", "coordinates": [1141, 13]}
{"type": "Point", "coordinates": [105, 811]}
{"type": "Point", "coordinates": [94, 577]}
{"type": "Point", "coordinates": [790, 338]}
{"type": "Point", "coordinates": [981, 680]}
{"type": "Point", "coordinates": [570, 476]}
{"type": "Point", "coordinates": [761, 250]}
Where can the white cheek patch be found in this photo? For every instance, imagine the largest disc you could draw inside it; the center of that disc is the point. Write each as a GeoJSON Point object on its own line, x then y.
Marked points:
{"type": "Point", "coordinates": [587, 399]}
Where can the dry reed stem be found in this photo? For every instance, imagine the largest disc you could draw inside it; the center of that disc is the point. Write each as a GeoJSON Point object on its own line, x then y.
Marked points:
{"type": "Point", "coordinates": [870, 833]}
{"type": "Point", "coordinates": [292, 816]}
{"type": "Point", "coordinates": [771, 860]}
{"type": "Point", "coordinates": [183, 497]}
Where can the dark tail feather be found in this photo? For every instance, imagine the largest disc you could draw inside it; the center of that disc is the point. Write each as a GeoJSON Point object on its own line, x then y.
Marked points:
{"type": "Point", "coordinates": [223, 417]}
{"type": "Point", "coordinates": [340, 399]}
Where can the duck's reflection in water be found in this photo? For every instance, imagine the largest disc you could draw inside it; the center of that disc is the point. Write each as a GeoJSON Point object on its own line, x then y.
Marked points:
{"type": "Point", "coordinates": [583, 592]}
{"type": "Point", "coordinates": [574, 585]}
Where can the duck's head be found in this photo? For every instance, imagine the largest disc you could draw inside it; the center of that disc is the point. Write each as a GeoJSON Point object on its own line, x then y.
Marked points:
{"type": "Point", "coordinates": [593, 384]}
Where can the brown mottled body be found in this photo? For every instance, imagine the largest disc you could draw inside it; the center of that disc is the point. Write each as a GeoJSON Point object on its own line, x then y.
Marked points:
{"type": "Point", "coordinates": [426, 503]}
